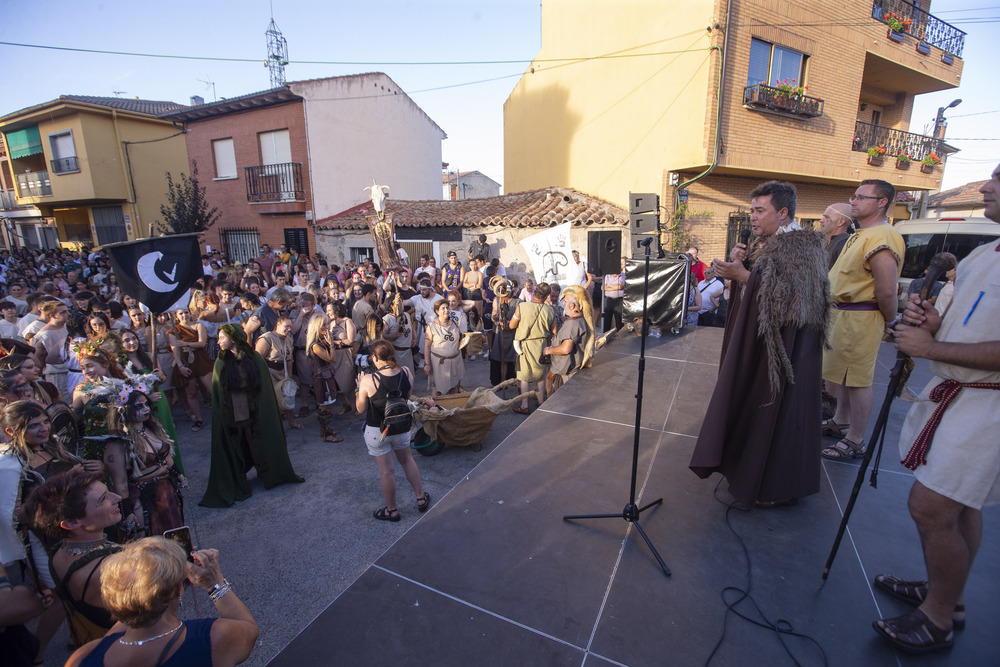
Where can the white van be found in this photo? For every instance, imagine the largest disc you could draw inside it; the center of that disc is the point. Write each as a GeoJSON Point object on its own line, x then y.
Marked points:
{"type": "Point", "coordinates": [926, 237]}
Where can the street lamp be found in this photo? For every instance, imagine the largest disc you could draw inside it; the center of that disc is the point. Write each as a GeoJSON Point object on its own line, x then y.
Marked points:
{"type": "Point", "coordinates": [939, 120]}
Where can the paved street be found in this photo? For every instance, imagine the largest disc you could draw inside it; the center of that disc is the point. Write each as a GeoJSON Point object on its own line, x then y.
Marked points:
{"type": "Point", "coordinates": [291, 550]}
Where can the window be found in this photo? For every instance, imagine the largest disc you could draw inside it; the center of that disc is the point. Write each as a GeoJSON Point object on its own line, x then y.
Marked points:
{"type": "Point", "coordinates": [298, 238]}
{"type": "Point", "coordinates": [63, 153]}
{"type": "Point", "coordinates": [225, 158]}
{"type": "Point", "coordinates": [358, 254]}
{"type": "Point", "coordinates": [770, 63]}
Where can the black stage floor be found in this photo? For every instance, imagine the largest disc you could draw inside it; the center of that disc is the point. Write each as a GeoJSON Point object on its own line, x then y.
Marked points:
{"type": "Point", "coordinates": [492, 575]}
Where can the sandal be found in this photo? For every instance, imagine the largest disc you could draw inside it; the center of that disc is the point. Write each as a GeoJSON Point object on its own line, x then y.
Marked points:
{"type": "Point", "coordinates": [332, 437]}
{"type": "Point", "coordinates": [386, 514]}
{"type": "Point", "coordinates": [914, 592]}
{"type": "Point", "coordinates": [831, 427]}
{"type": "Point", "coordinates": [304, 412]}
{"type": "Point", "coordinates": [197, 425]}
{"type": "Point", "coordinates": [845, 450]}
{"type": "Point", "coordinates": [914, 633]}
{"type": "Point", "coordinates": [296, 426]}
{"type": "Point", "coordinates": [521, 411]}
{"type": "Point", "coordinates": [423, 502]}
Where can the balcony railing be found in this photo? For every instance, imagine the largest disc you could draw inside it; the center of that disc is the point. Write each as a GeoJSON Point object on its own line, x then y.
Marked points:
{"type": "Point", "coordinates": [275, 182]}
{"type": "Point", "coordinates": [8, 201]}
{"type": "Point", "coordinates": [917, 146]}
{"type": "Point", "coordinates": [925, 27]}
{"type": "Point", "coordinates": [775, 99]}
{"type": "Point", "coordinates": [34, 184]}
{"type": "Point", "coordinates": [64, 165]}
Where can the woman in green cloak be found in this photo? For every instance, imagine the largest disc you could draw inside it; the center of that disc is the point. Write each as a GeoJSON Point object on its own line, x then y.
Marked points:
{"type": "Point", "coordinates": [246, 424]}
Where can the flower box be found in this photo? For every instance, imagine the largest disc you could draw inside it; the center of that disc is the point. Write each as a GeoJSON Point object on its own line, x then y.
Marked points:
{"type": "Point", "coordinates": [902, 165]}
{"type": "Point", "coordinates": [927, 168]}
{"type": "Point", "coordinates": [875, 161]}
{"type": "Point", "coordinates": [947, 58]}
{"type": "Point", "coordinates": [896, 36]}
{"type": "Point", "coordinates": [924, 48]}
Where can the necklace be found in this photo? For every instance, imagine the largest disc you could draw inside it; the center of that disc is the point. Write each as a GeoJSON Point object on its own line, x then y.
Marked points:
{"type": "Point", "coordinates": [81, 548]}
{"type": "Point", "coordinates": [140, 642]}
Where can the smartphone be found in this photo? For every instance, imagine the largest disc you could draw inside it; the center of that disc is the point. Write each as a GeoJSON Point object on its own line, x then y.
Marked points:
{"type": "Point", "coordinates": [182, 536]}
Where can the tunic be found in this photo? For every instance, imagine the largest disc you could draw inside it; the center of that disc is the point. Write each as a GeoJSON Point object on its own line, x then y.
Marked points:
{"type": "Point", "coordinates": [533, 331]}
{"type": "Point", "coordinates": [343, 364]}
{"type": "Point", "coordinates": [404, 343]}
{"type": "Point", "coordinates": [964, 459]}
{"type": "Point", "coordinates": [855, 334]}
{"type": "Point", "coordinates": [447, 368]}
{"type": "Point", "coordinates": [574, 329]}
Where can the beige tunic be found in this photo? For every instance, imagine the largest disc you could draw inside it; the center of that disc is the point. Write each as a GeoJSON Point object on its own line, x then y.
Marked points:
{"type": "Point", "coordinates": [447, 367]}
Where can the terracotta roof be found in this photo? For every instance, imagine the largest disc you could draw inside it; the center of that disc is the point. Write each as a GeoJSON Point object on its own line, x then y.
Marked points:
{"type": "Point", "coordinates": [964, 195]}
{"type": "Point", "coordinates": [151, 107]}
{"type": "Point", "coordinates": [261, 98]}
{"type": "Point", "coordinates": [535, 208]}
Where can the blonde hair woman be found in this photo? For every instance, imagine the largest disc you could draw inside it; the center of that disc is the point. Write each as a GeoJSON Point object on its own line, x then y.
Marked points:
{"type": "Point", "coordinates": [319, 347]}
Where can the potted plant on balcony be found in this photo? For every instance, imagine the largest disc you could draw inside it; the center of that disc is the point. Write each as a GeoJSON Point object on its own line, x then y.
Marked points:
{"type": "Point", "coordinates": [898, 26]}
{"type": "Point", "coordinates": [875, 155]}
{"type": "Point", "coordinates": [928, 163]}
{"type": "Point", "coordinates": [789, 92]}
{"type": "Point", "coordinates": [902, 160]}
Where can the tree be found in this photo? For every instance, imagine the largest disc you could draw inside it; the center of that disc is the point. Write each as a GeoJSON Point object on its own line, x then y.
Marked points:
{"type": "Point", "coordinates": [186, 209]}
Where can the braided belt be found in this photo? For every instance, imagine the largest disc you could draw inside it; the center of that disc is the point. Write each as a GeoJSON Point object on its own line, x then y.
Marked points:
{"type": "Point", "coordinates": [943, 394]}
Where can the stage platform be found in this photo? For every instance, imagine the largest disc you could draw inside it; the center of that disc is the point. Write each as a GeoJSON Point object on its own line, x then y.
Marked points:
{"type": "Point", "coordinates": [493, 575]}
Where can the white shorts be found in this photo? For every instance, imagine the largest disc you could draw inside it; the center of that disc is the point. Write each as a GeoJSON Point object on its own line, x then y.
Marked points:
{"type": "Point", "coordinates": [379, 446]}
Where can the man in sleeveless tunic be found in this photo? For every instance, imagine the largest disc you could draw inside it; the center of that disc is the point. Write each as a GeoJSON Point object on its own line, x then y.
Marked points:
{"type": "Point", "coordinates": [534, 325]}
{"type": "Point", "coordinates": [49, 343]}
{"type": "Point", "coordinates": [949, 440]}
{"type": "Point", "coordinates": [863, 288]}
{"type": "Point", "coordinates": [760, 427]}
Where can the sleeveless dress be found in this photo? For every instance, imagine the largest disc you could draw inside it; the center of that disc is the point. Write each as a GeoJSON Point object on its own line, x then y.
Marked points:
{"type": "Point", "coordinates": [343, 364]}
{"type": "Point", "coordinates": [196, 359]}
{"type": "Point", "coordinates": [195, 650]}
{"type": "Point", "coordinates": [447, 367]}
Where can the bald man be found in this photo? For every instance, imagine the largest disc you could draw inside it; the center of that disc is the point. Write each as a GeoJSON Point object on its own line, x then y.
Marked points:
{"type": "Point", "coordinates": [835, 224]}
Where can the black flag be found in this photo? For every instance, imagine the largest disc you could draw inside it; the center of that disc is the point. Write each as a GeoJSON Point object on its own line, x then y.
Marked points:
{"type": "Point", "coordinates": [157, 271]}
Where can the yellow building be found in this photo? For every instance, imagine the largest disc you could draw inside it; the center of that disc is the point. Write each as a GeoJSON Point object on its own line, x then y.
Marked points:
{"type": "Point", "coordinates": [94, 166]}
{"type": "Point", "coordinates": [625, 96]}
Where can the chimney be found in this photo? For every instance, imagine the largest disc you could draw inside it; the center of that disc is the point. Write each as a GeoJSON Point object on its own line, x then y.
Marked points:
{"type": "Point", "coordinates": [197, 100]}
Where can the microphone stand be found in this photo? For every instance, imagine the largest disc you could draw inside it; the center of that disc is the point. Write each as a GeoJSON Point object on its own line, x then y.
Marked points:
{"type": "Point", "coordinates": [631, 512]}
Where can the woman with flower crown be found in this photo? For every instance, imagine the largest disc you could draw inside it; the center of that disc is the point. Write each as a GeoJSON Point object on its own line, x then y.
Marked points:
{"type": "Point", "coordinates": [93, 396]}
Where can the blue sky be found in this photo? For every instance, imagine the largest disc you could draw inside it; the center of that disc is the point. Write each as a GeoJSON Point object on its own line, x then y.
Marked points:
{"type": "Point", "coordinates": [368, 34]}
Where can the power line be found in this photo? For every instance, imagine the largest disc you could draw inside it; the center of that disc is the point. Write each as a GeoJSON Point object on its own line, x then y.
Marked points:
{"type": "Point", "coordinates": [351, 62]}
{"type": "Point", "coordinates": [966, 115]}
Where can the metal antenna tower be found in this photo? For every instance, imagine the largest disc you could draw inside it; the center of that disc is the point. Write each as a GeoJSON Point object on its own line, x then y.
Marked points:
{"type": "Point", "coordinates": [277, 54]}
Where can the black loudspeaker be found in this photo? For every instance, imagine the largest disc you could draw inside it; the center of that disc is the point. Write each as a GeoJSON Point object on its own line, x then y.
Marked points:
{"type": "Point", "coordinates": [604, 252]}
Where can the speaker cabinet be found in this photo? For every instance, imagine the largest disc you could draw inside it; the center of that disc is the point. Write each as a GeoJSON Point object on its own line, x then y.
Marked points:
{"type": "Point", "coordinates": [604, 252]}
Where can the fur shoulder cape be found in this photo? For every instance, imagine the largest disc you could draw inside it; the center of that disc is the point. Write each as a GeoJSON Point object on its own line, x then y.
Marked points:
{"type": "Point", "coordinates": [794, 291]}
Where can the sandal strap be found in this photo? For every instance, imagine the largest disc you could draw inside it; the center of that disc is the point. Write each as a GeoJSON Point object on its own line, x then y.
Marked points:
{"type": "Point", "coordinates": [914, 631]}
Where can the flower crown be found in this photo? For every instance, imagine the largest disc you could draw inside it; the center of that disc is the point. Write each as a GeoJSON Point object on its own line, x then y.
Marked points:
{"type": "Point", "coordinates": [87, 348]}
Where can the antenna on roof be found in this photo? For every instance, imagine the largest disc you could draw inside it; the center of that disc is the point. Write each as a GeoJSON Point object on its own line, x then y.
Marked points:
{"type": "Point", "coordinates": [208, 83]}
{"type": "Point", "coordinates": [277, 53]}
{"type": "Point", "coordinates": [119, 93]}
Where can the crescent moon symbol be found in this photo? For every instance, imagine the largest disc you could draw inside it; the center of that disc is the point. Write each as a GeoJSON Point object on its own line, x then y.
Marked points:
{"type": "Point", "coordinates": [146, 268]}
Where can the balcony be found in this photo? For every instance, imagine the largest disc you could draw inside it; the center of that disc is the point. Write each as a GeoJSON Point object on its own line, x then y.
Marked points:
{"type": "Point", "coordinates": [774, 100]}
{"type": "Point", "coordinates": [925, 27]}
{"type": "Point", "coordinates": [65, 165]}
{"type": "Point", "coordinates": [34, 184]}
{"type": "Point", "coordinates": [275, 183]}
{"type": "Point", "coordinates": [917, 146]}
{"type": "Point", "coordinates": [8, 201]}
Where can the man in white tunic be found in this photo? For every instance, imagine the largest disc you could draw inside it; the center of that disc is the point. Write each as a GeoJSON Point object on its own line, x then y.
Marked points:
{"type": "Point", "coordinates": [950, 441]}
{"type": "Point", "coordinates": [423, 311]}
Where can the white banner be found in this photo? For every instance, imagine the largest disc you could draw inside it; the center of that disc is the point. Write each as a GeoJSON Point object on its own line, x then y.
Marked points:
{"type": "Point", "coordinates": [550, 254]}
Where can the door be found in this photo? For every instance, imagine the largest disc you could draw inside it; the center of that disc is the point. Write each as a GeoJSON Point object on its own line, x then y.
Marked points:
{"type": "Point", "coordinates": [276, 157]}
{"type": "Point", "coordinates": [109, 223]}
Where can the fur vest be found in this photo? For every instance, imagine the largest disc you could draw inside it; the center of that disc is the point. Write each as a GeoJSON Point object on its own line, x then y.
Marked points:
{"type": "Point", "coordinates": [794, 291]}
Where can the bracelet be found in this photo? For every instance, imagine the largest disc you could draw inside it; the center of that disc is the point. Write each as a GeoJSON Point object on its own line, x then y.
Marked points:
{"type": "Point", "coordinates": [889, 325]}
{"type": "Point", "coordinates": [219, 590]}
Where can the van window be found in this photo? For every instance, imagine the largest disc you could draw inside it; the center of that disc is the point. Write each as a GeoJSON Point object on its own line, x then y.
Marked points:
{"type": "Point", "coordinates": [962, 244]}
{"type": "Point", "coordinates": [920, 248]}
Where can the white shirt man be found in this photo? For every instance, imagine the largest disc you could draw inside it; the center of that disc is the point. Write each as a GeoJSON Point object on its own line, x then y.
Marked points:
{"type": "Point", "coordinates": [577, 271]}
{"type": "Point", "coordinates": [709, 287]}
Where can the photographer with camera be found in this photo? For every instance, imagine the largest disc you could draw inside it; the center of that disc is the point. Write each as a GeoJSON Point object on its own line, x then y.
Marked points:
{"type": "Point", "coordinates": [503, 356]}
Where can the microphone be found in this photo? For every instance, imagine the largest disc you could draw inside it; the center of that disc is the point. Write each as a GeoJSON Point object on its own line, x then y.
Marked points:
{"type": "Point", "coordinates": [935, 270]}
{"type": "Point", "coordinates": [646, 241]}
{"type": "Point", "coordinates": [744, 236]}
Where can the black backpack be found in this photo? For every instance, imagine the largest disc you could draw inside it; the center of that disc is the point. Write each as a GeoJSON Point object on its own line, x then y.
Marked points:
{"type": "Point", "coordinates": [397, 418]}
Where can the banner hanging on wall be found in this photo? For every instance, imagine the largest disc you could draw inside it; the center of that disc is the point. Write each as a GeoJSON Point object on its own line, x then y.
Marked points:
{"type": "Point", "coordinates": [550, 254]}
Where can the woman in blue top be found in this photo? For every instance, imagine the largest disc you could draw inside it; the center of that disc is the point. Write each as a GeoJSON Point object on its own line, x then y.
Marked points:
{"type": "Point", "coordinates": [142, 586]}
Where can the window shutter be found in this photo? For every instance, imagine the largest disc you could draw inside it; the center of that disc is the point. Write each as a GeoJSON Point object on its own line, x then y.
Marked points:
{"type": "Point", "coordinates": [760, 61]}
{"type": "Point", "coordinates": [225, 158]}
{"type": "Point", "coordinates": [62, 146]}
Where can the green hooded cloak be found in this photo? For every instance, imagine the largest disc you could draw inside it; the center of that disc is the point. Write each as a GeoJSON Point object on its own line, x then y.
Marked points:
{"type": "Point", "coordinates": [232, 457]}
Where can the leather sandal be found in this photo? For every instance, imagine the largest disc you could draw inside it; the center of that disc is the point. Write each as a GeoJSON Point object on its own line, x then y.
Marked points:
{"type": "Point", "coordinates": [423, 502]}
{"type": "Point", "coordinates": [845, 450]}
{"type": "Point", "coordinates": [914, 593]}
{"type": "Point", "coordinates": [914, 633]}
{"type": "Point", "coordinates": [386, 514]}
{"type": "Point", "coordinates": [834, 429]}
{"type": "Point", "coordinates": [521, 411]}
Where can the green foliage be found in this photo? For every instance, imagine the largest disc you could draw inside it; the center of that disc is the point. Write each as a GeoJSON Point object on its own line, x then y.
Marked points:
{"type": "Point", "coordinates": [680, 238]}
{"type": "Point", "coordinates": [186, 209]}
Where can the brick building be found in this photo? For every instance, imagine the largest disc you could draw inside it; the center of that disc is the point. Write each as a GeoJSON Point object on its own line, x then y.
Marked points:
{"type": "Point", "coordinates": [272, 162]}
{"type": "Point", "coordinates": [700, 101]}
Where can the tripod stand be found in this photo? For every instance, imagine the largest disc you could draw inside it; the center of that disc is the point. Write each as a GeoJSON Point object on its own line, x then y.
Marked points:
{"type": "Point", "coordinates": [631, 512]}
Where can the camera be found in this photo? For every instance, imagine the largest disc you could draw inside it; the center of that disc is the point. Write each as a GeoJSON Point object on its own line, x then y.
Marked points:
{"type": "Point", "coordinates": [364, 363]}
